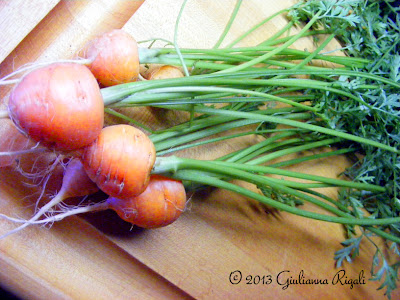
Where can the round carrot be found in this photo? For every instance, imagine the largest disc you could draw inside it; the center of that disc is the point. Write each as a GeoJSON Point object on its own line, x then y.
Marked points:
{"type": "Point", "coordinates": [119, 161]}
{"type": "Point", "coordinates": [159, 205]}
{"type": "Point", "coordinates": [165, 72]}
{"type": "Point", "coordinates": [59, 105]}
{"type": "Point", "coordinates": [114, 56]}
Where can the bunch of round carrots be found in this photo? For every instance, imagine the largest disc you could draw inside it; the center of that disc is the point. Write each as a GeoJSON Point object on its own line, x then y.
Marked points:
{"type": "Point", "coordinates": [60, 106]}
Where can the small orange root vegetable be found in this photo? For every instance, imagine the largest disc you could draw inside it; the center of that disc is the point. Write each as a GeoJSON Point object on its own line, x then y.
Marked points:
{"type": "Point", "coordinates": [120, 160]}
{"type": "Point", "coordinates": [114, 56]}
{"type": "Point", "coordinates": [59, 105]}
{"type": "Point", "coordinates": [159, 205]}
{"type": "Point", "coordinates": [75, 183]}
{"type": "Point", "coordinates": [165, 72]}
{"type": "Point", "coordinates": [165, 115]}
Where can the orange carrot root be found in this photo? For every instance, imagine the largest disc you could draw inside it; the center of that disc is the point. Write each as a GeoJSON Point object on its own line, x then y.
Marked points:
{"type": "Point", "coordinates": [59, 105]}
{"type": "Point", "coordinates": [164, 72]}
{"type": "Point", "coordinates": [159, 205]}
{"type": "Point", "coordinates": [120, 160]}
{"type": "Point", "coordinates": [115, 58]}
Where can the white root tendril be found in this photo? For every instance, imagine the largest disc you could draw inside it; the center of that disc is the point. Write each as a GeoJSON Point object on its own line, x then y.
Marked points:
{"type": "Point", "coordinates": [35, 173]}
{"type": "Point", "coordinates": [46, 178]}
{"type": "Point", "coordinates": [41, 211]}
{"type": "Point", "coordinates": [32, 66]}
{"type": "Point", "coordinates": [188, 204]}
{"type": "Point", "coordinates": [26, 151]}
{"type": "Point", "coordinates": [12, 219]}
{"type": "Point", "coordinates": [55, 209]}
{"type": "Point", "coordinates": [52, 218]}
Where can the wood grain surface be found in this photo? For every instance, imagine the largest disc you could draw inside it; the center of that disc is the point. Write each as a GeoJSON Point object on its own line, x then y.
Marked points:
{"type": "Point", "coordinates": [26, 13]}
{"type": "Point", "coordinates": [97, 256]}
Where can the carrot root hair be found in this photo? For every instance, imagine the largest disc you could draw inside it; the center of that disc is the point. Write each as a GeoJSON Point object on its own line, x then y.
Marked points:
{"type": "Point", "coordinates": [75, 183]}
{"type": "Point", "coordinates": [26, 68]}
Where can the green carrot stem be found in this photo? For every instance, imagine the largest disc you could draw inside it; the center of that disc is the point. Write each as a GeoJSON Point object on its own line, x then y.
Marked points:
{"type": "Point", "coordinates": [254, 28]}
{"type": "Point", "coordinates": [147, 99]}
{"type": "Point", "coordinates": [185, 69]}
{"type": "Point", "coordinates": [305, 70]}
{"type": "Point", "coordinates": [282, 172]}
{"type": "Point", "coordinates": [286, 38]}
{"type": "Point", "coordinates": [199, 134]}
{"type": "Point", "coordinates": [266, 150]}
{"type": "Point", "coordinates": [212, 181]}
{"type": "Point", "coordinates": [126, 118]}
{"type": "Point", "coordinates": [209, 141]}
{"type": "Point", "coordinates": [293, 123]}
{"type": "Point", "coordinates": [276, 50]}
{"type": "Point", "coordinates": [384, 234]}
{"type": "Point", "coordinates": [302, 186]}
{"type": "Point", "coordinates": [202, 128]}
{"type": "Point", "coordinates": [243, 53]}
{"type": "Point", "coordinates": [229, 156]}
{"type": "Point", "coordinates": [311, 157]}
{"type": "Point", "coordinates": [184, 129]}
{"type": "Point", "coordinates": [241, 171]}
{"type": "Point", "coordinates": [191, 63]}
{"type": "Point", "coordinates": [247, 151]}
{"type": "Point", "coordinates": [312, 55]}
{"type": "Point", "coordinates": [114, 94]}
{"type": "Point", "coordinates": [281, 31]}
{"type": "Point", "coordinates": [280, 153]}
{"type": "Point", "coordinates": [339, 205]}
{"type": "Point", "coordinates": [229, 24]}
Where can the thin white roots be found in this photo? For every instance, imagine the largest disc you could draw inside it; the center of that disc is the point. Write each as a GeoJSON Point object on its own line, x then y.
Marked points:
{"type": "Point", "coordinates": [46, 178]}
{"type": "Point", "coordinates": [40, 177]}
{"type": "Point", "coordinates": [36, 172]}
{"type": "Point", "coordinates": [188, 204]}
{"type": "Point", "coordinates": [51, 218]}
{"type": "Point", "coordinates": [55, 209]}
{"type": "Point", "coordinates": [32, 66]}
{"type": "Point", "coordinates": [34, 149]}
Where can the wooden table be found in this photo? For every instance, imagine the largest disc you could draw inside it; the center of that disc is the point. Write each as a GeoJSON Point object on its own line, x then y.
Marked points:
{"type": "Point", "coordinates": [220, 236]}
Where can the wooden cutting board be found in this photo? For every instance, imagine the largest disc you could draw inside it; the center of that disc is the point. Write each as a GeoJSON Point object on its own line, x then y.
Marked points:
{"type": "Point", "coordinates": [220, 238]}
